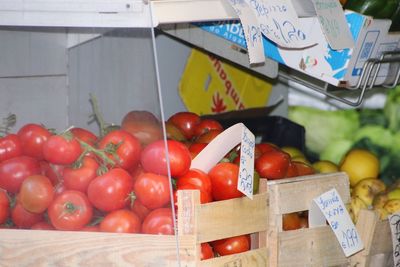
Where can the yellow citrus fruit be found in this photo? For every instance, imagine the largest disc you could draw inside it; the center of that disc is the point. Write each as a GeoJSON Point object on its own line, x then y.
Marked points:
{"type": "Point", "coordinates": [325, 166]}
{"type": "Point", "coordinates": [293, 151]}
{"type": "Point", "coordinates": [359, 164]}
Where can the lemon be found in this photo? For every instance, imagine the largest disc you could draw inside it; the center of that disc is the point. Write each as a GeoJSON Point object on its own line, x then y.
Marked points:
{"type": "Point", "coordinates": [359, 164]}
{"type": "Point", "coordinates": [325, 166]}
{"type": "Point", "coordinates": [293, 151]}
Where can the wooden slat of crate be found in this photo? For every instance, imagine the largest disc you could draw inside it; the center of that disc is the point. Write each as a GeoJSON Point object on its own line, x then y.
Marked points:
{"type": "Point", "coordinates": [253, 258]}
{"type": "Point", "coordinates": [61, 248]}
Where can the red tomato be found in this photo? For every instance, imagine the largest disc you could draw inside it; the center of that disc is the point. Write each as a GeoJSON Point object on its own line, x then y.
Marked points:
{"type": "Point", "coordinates": [125, 150]}
{"type": "Point", "coordinates": [266, 147]}
{"type": "Point", "coordinates": [154, 159]}
{"type": "Point", "coordinates": [36, 193]}
{"type": "Point", "coordinates": [206, 125]}
{"type": "Point", "coordinates": [14, 171]}
{"type": "Point", "coordinates": [32, 137]}
{"type": "Point", "coordinates": [52, 171]}
{"type": "Point", "coordinates": [4, 206]}
{"type": "Point", "coordinates": [136, 172]}
{"type": "Point", "coordinates": [152, 190]}
{"type": "Point", "coordinates": [84, 135]}
{"type": "Point", "coordinates": [62, 150]}
{"type": "Point", "coordinates": [206, 251]}
{"type": "Point", "coordinates": [10, 147]}
{"type": "Point", "coordinates": [43, 225]}
{"type": "Point", "coordinates": [143, 125]}
{"type": "Point", "coordinates": [79, 178]}
{"type": "Point", "coordinates": [195, 177]}
{"type": "Point", "coordinates": [159, 222]}
{"type": "Point", "coordinates": [111, 190]}
{"type": "Point", "coordinates": [140, 210]}
{"type": "Point", "coordinates": [291, 221]}
{"type": "Point", "coordinates": [273, 164]}
{"type": "Point", "coordinates": [23, 218]}
{"type": "Point", "coordinates": [292, 170]}
{"type": "Point", "coordinates": [70, 211]}
{"type": "Point", "coordinates": [208, 136]}
{"type": "Point", "coordinates": [303, 168]}
{"type": "Point", "coordinates": [232, 245]}
{"type": "Point", "coordinates": [174, 132]}
{"type": "Point", "coordinates": [121, 221]}
{"type": "Point", "coordinates": [224, 180]}
{"type": "Point", "coordinates": [196, 148]}
{"type": "Point", "coordinates": [91, 228]}
{"type": "Point", "coordinates": [186, 122]}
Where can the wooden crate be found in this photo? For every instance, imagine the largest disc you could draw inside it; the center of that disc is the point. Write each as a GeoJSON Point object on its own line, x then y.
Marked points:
{"type": "Point", "coordinates": [310, 246]}
{"type": "Point", "coordinates": [377, 240]}
{"type": "Point", "coordinates": [197, 223]}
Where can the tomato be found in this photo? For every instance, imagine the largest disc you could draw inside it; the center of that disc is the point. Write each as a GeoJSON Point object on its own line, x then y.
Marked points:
{"type": "Point", "coordinates": [206, 125]}
{"type": "Point", "coordinates": [154, 159]}
{"type": "Point", "coordinates": [36, 193]}
{"type": "Point", "coordinates": [79, 178]}
{"type": "Point", "coordinates": [23, 218]}
{"type": "Point", "coordinates": [186, 122]}
{"type": "Point", "coordinates": [206, 251]}
{"type": "Point", "coordinates": [303, 168]}
{"type": "Point", "coordinates": [195, 177]}
{"type": "Point", "coordinates": [91, 228]}
{"type": "Point", "coordinates": [266, 147]}
{"type": "Point", "coordinates": [70, 211]}
{"type": "Point", "coordinates": [140, 210]}
{"type": "Point", "coordinates": [4, 206]}
{"type": "Point", "coordinates": [224, 179]}
{"type": "Point", "coordinates": [291, 221]}
{"type": "Point", "coordinates": [232, 245]}
{"type": "Point", "coordinates": [52, 171]}
{"type": "Point", "coordinates": [159, 222]}
{"type": "Point", "coordinates": [111, 190]}
{"type": "Point", "coordinates": [84, 135]}
{"type": "Point", "coordinates": [196, 148]}
{"type": "Point", "coordinates": [14, 171]}
{"type": "Point", "coordinates": [143, 125]}
{"type": "Point", "coordinates": [42, 225]}
{"type": "Point", "coordinates": [136, 172]}
{"type": "Point", "coordinates": [125, 148]}
{"type": "Point", "coordinates": [10, 147]}
{"type": "Point", "coordinates": [174, 132]}
{"type": "Point", "coordinates": [121, 221]}
{"type": "Point", "coordinates": [292, 170]}
{"type": "Point", "coordinates": [59, 149]}
{"type": "Point", "coordinates": [208, 136]}
{"type": "Point", "coordinates": [152, 190]}
{"type": "Point", "coordinates": [32, 137]}
{"type": "Point", "coordinates": [273, 164]}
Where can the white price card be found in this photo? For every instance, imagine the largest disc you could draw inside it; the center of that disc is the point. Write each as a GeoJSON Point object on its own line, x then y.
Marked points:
{"type": "Point", "coordinates": [252, 32]}
{"type": "Point", "coordinates": [394, 222]}
{"type": "Point", "coordinates": [333, 23]}
{"type": "Point", "coordinates": [280, 23]}
{"type": "Point", "coordinates": [332, 207]}
{"type": "Point", "coordinates": [246, 168]}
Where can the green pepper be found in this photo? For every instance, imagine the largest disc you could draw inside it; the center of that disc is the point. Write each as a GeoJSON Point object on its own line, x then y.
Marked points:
{"type": "Point", "coordinates": [380, 9]}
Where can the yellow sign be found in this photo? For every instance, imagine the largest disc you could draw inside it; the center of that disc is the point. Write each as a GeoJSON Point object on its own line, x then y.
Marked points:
{"type": "Point", "coordinates": [209, 85]}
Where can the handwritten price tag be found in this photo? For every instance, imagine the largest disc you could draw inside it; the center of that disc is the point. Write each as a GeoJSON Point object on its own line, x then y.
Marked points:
{"type": "Point", "coordinates": [279, 23]}
{"type": "Point", "coordinates": [394, 222]}
{"type": "Point", "coordinates": [251, 30]}
{"type": "Point", "coordinates": [246, 169]}
{"type": "Point", "coordinates": [331, 17]}
{"type": "Point", "coordinates": [334, 210]}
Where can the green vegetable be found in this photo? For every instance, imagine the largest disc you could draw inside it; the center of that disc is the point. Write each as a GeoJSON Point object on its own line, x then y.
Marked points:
{"type": "Point", "coordinates": [380, 136]}
{"type": "Point", "coordinates": [392, 109]}
{"type": "Point", "coordinates": [382, 9]}
{"type": "Point", "coordinates": [324, 127]}
{"type": "Point", "coordinates": [370, 116]}
{"type": "Point", "coordinates": [335, 150]}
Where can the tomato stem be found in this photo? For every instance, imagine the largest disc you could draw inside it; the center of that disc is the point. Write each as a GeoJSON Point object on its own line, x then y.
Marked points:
{"type": "Point", "coordinates": [100, 153]}
{"type": "Point", "coordinates": [7, 123]}
{"type": "Point", "coordinates": [97, 116]}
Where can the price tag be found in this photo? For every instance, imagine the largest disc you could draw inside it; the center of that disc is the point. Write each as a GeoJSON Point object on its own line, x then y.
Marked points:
{"type": "Point", "coordinates": [280, 23]}
{"type": "Point", "coordinates": [334, 25]}
{"type": "Point", "coordinates": [334, 210]}
{"type": "Point", "coordinates": [251, 30]}
{"type": "Point", "coordinates": [246, 168]}
{"type": "Point", "coordinates": [394, 222]}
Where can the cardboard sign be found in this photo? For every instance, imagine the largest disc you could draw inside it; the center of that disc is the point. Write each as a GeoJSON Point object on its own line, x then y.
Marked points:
{"type": "Point", "coordinates": [251, 30]}
{"type": "Point", "coordinates": [394, 222]}
{"type": "Point", "coordinates": [246, 168]}
{"type": "Point", "coordinates": [334, 211]}
{"type": "Point", "coordinates": [333, 23]}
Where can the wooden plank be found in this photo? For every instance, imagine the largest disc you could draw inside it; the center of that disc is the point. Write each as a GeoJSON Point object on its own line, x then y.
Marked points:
{"type": "Point", "coordinates": [252, 258]}
{"type": "Point", "coordinates": [62, 248]}
{"type": "Point", "coordinates": [382, 240]}
{"type": "Point", "coordinates": [296, 194]}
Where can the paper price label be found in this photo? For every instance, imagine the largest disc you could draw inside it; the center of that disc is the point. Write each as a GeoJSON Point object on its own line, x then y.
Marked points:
{"type": "Point", "coordinates": [251, 30]}
{"type": "Point", "coordinates": [394, 222]}
{"type": "Point", "coordinates": [279, 22]}
{"type": "Point", "coordinates": [334, 25]}
{"type": "Point", "coordinates": [246, 168]}
{"type": "Point", "coordinates": [334, 211]}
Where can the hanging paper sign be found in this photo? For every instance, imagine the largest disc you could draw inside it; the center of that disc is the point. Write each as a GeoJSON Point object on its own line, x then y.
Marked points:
{"type": "Point", "coordinates": [333, 23]}
{"type": "Point", "coordinates": [246, 168]}
{"type": "Point", "coordinates": [251, 30]}
{"type": "Point", "coordinates": [279, 22]}
{"type": "Point", "coordinates": [332, 207]}
{"type": "Point", "coordinates": [394, 222]}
